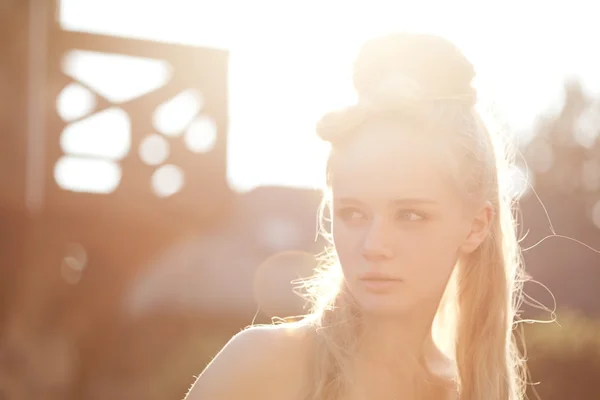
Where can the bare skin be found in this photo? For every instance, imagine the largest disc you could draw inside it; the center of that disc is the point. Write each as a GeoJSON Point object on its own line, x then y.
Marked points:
{"type": "Point", "coordinates": [273, 363]}
{"type": "Point", "coordinates": [396, 212]}
{"type": "Point", "coordinates": [259, 363]}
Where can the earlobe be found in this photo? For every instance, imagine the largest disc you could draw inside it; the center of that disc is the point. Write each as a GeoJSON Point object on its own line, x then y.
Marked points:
{"type": "Point", "coordinates": [473, 241]}
{"type": "Point", "coordinates": [480, 229]}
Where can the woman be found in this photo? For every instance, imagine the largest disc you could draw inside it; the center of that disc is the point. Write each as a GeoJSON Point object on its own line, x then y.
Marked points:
{"type": "Point", "coordinates": [419, 295]}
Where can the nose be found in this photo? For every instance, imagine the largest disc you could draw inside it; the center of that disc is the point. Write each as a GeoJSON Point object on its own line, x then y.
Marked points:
{"type": "Point", "coordinates": [376, 243]}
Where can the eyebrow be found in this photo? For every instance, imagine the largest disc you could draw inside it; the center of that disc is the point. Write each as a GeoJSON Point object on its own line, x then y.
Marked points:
{"type": "Point", "coordinates": [400, 201]}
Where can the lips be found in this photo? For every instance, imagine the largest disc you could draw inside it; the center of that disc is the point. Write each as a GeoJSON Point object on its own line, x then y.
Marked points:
{"type": "Point", "coordinates": [378, 276]}
{"type": "Point", "coordinates": [379, 283]}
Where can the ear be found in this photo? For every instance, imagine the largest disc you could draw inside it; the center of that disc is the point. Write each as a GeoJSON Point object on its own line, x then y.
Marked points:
{"type": "Point", "coordinates": [479, 229]}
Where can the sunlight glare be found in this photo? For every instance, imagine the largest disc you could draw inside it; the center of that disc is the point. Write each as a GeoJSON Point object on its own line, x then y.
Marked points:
{"type": "Point", "coordinates": [284, 75]}
{"type": "Point", "coordinates": [87, 175]}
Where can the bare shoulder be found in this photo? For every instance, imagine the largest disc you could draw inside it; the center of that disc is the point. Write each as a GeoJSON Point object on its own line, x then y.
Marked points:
{"type": "Point", "coordinates": [256, 363]}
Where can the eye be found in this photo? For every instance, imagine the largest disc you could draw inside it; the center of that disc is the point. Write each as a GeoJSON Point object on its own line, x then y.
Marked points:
{"type": "Point", "coordinates": [351, 214]}
{"type": "Point", "coordinates": [409, 215]}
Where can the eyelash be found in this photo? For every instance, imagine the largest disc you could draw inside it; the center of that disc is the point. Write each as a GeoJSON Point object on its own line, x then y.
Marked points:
{"type": "Point", "coordinates": [346, 214]}
{"type": "Point", "coordinates": [421, 216]}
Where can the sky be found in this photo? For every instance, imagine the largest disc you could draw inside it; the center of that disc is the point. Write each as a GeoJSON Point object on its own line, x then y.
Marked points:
{"type": "Point", "coordinates": [290, 61]}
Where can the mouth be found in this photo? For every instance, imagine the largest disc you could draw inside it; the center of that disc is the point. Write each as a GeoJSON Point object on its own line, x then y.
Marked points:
{"type": "Point", "coordinates": [380, 284]}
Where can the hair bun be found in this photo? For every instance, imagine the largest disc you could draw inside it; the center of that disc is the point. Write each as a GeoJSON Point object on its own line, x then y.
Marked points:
{"type": "Point", "coordinates": [435, 66]}
{"type": "Point", "coordinates": [402, 73]}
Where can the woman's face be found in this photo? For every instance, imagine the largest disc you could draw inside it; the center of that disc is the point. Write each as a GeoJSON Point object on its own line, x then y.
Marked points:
{"type": "Point", "coordinates": [398, 220]}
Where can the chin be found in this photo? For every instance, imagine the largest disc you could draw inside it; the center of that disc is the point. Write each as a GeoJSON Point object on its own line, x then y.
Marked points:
{"type": "Point", "coordinates": [384, 306]}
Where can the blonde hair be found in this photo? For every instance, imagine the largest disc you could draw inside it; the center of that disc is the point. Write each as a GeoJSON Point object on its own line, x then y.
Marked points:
{"type": "Point", "coordinates": [424, 82]}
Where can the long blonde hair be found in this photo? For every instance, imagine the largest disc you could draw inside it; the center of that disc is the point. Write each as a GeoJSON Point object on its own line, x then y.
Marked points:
{"type": "Point", "coordinates": [425, 81]}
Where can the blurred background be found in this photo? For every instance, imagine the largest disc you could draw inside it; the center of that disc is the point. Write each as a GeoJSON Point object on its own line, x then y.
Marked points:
{"type": "Point", "coordinates": [160, 176]}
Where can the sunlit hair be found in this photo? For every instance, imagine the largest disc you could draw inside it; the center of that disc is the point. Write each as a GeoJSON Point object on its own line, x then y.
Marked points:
{"type": "Point", "coordinates": [424, 83]}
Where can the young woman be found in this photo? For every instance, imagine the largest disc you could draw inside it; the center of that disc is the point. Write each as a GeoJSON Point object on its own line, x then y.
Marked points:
{"type": "Point", "coordinates": [420, 292]}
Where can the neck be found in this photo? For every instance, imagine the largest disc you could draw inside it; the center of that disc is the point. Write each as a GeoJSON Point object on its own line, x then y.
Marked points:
{"type": "Point", "coordinates": [395, 353]}
{"type": "Point", "coordinates": [395, 340]}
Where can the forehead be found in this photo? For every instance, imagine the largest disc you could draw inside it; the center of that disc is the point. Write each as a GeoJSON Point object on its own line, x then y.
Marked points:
{"type": "Point", "coordinates": [386, 162]}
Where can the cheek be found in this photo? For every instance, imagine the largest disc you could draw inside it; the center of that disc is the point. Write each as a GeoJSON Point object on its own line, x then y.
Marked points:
{"type": "Point", "coordinates": [419, 250]}
{"type": "Point", "coordinates": [348, 245]}
{"type": "Point", "coordinates": [429, 252]}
